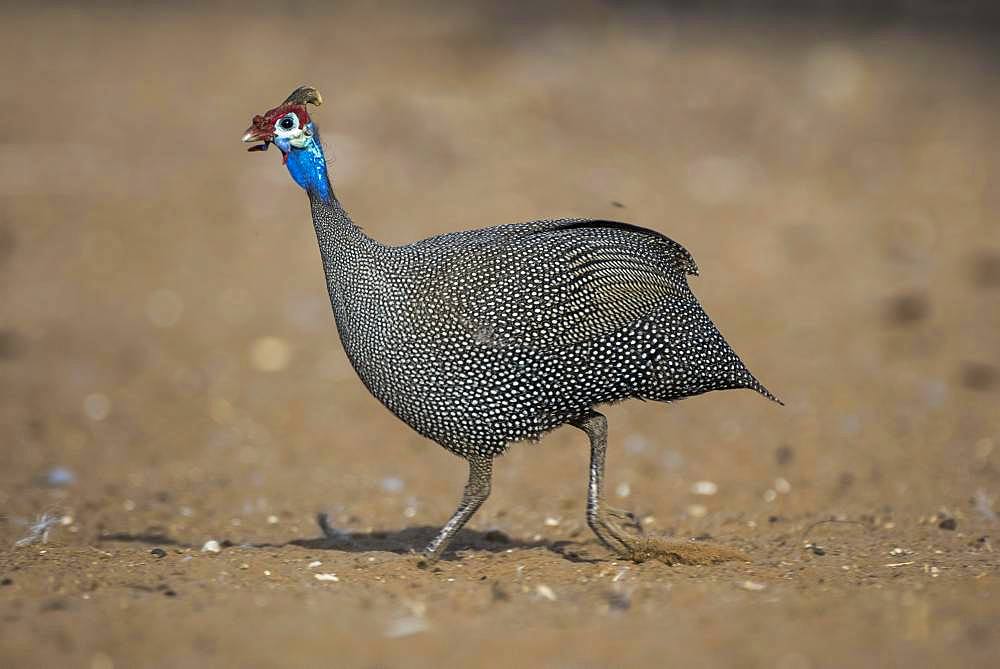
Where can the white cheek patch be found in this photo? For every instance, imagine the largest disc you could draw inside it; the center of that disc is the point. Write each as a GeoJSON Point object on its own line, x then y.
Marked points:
{"type": "Point", "coordinates": [298, 138]}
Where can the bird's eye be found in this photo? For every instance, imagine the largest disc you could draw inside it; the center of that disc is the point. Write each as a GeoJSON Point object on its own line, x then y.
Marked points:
{"type": "Point", "coordinates": [288, 123]}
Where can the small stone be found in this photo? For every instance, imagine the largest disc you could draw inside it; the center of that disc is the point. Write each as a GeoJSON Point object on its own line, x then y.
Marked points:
{"type": "Point", "coordinates": [782, 486]}
{"type": "Point", "coordinates": [979, 375]}
{"type": "Point", "coordinates": [697, 510]}
{"type": "Point", "coordinates": [784, 455]}
{"type": "Point", "coordinates": [948, 524]}
{"type": "Point", "coordinates": [752, 586]}
{"type": "Point", "coordinates": [704, 488]}
{"type": "Point", "coordinates": [211, 546]}
{"type": "Point", "coordinates": [546, 592]}
{"type": "Point", "coordinates": [498, 593]}
{"type": "Point", "coordinates": [907, 308]}
{"type": "Point", "coordinates": [272, 520]}
{"type": "Point", "coordinates": [158, 552]}
{"type": "Point", "coordinates": [406, 626]}
{"type": "Point", "coordinates": [7, 581]}
{"type": "Point", "coordinates": [392, 484]}
{"type": "Point", "coordinates": [58, 477]}
{"type": "Point", "coordinates": [619, 601]}
{"type": "Point", "coordinates": [623, 489]}
{"type": "Point", "coordinates": [326, 577]}
{"type": "Point", "coordinates": [314, 564]}
{"type": "Point", "coordinates": [815, 549]}
{"type": "Point", "coordinates": [551, 521]}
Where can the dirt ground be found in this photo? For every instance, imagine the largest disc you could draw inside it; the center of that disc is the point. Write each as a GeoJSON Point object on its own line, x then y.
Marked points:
{"type": "Point", "coordinates": [170, 374]}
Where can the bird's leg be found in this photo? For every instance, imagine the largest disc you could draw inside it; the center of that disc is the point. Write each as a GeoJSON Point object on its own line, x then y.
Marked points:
{"type": "Point", "coordinates": [606, 522]}
{"type": "Point", "coordinates": [476, 492]}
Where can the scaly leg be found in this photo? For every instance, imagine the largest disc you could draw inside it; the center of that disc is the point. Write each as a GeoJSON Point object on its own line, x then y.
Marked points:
{"type": "Point", "coordinates": [476, 492]}
{"type": "Point", "coordinates": [606, 522]}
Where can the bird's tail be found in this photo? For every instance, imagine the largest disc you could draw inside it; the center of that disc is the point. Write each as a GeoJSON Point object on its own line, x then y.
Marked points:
{"type": "Point", "coordinates": [754, 384]}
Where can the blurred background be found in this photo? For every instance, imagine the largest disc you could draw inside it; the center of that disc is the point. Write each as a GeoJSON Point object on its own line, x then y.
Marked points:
{"type": "Point", "coordinates": [167, 350]}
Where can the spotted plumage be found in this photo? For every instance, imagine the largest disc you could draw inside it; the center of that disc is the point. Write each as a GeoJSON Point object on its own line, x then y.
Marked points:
{"type": "Point", "coordinates": [487, 337]}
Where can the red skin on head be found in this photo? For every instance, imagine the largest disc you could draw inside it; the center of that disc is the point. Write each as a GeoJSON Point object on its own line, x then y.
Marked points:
{"type": "Point", "coordinates": [265, 122]}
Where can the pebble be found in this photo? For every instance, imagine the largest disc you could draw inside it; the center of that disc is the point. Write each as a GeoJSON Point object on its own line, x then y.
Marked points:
{"type": "Point", "coordinates": [272, 520]}
{"type": "Point", "coordinates": [314, 564]}
{"type": "Point", "coordinates": [158, 552]}
{"type": "Point", "coordinates": [697, 510]}
{"type": "Point", "coordinates": [58, 477]}
{"type": "Point", "coordinates": [211, 546]}
{"type": "Point", "coordinates": [392, 484]}
{"type": "Point", "coordinates": [546, 592]}
{"type": "Point", "coordinates": [407, 626]}
{"type": "Point", "coordinates": [752, 586]}
{"type": "Point", "coordinates": [326, 577]}
{"type": "Point", "coordinates": [816, 549]}
{"type": "Point", "coordinates": [551, 521]}
{"type": "Point", "coordinates": [948, 524]}
{"type": "Point", "coordinates": [619, 601]}
{"type": "Point", "coordinates": [704, 488]}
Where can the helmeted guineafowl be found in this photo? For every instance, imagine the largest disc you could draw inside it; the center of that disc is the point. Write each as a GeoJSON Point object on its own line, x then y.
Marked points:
{"type": "Point", "coordinates": [481, 338]}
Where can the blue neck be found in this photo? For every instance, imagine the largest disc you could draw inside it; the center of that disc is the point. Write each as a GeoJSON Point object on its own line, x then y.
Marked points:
{"type": "Point", "coordinates": [307, 165]}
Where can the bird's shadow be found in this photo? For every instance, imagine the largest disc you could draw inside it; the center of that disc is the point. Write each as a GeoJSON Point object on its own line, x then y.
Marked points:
{"type": "Point", "coordinates": [402, 542]}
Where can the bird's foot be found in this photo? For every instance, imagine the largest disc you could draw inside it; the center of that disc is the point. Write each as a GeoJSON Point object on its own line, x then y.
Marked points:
{"type": "Point", "coordinates": [635, 546]}
{"type": "Point", "coordinates": [621, 521]}
{"type": "Point", "coordinates": [618, 530]}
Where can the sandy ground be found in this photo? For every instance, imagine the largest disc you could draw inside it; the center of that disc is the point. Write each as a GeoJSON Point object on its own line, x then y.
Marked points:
{"type": "Point", "coordinates": [170, 373]}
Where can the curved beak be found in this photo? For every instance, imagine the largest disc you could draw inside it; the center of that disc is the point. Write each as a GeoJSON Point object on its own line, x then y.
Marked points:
{"type": "Point", "coordinates": [255, 134]}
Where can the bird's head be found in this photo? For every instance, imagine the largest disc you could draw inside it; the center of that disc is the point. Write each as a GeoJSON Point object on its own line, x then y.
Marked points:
{"type": "Point", "coordinates": [287, 126]}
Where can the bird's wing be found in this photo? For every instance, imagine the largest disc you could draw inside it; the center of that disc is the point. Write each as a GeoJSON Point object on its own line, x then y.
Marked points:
{"type": "Point", "coordinates": [553, 283]}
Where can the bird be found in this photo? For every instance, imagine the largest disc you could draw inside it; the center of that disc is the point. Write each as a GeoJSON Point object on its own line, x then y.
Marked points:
{"type": "Point", "coordinates": [479, 339]}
